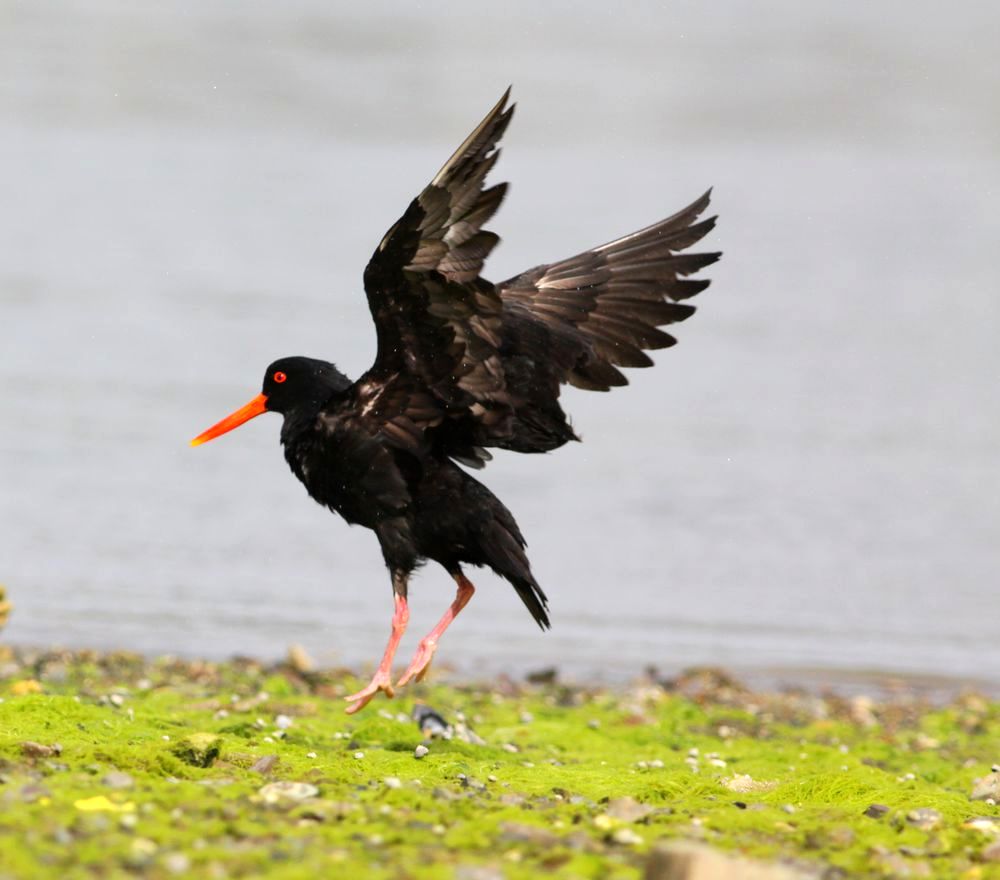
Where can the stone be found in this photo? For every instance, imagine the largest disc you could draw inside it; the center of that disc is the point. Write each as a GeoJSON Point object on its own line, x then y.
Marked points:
{"type": "Point", "coordinates": [420, 751]}
{"type": "Point", "coordinates": [986, 787]}
{"type": "Point", "coordinates": [118, 780]}
{"type": "Point", "coordinates": [299, 659]}
{"type": "Point", "coordinates": [264, 764]}
{"type": "Point", "coordinates": [925, 818]}
{"type": "Point", "coordinates": [989, 825]}
{"type": "Point", "coordinates": [287, 792]}
{"type": "Point", "coordinates": [37, 750]}
{"type": "Point", "coordinates": [876, 811]}
{"type": "Point", "coordinates": [741, 783]}
{"type": "Point", "coordinates": [431, 723]}
{"type": "Point", "coordinates": [522, 833]}
{"type": "Point", "coordinates": [683, 860]}
{"type": "Point", "coordinates": [627, 809]}
{"type": "Point", "coordinates": [626, 837]}
{"type": "Point", "coordinates": [198, 749]}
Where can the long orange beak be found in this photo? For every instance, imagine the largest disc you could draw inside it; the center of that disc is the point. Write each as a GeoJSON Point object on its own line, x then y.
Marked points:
{"type": "Point", "coordinates": [254, 408]}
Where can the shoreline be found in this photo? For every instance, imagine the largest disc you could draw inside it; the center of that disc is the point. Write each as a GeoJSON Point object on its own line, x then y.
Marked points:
{"type": "Point", "coordinates": [877, 683]}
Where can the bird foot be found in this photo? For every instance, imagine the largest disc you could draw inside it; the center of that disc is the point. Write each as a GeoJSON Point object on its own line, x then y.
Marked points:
{"type": "Point", "coordinates": [381, 682]}
{"type": "Point", "coordinates": [420, 664]}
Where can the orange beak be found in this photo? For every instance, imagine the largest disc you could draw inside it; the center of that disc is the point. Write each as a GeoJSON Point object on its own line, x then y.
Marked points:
{"type": "Point", "coordinates": [254, 408]}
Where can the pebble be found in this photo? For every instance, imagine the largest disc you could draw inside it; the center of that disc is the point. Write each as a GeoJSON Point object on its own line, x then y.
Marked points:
{"type": "Point", "coordinates": [925, 818]}
{"type": "Point", "coordinates": [431, 723]}
{"type": "Point", "coordinates": [282, 722]}
{"type": "Point", "coordinates": [359, 756]}
{"type": "Point", "coordinates": [116, 700]}
{"type": "Point", "coordinates": [277, 792]}
{"type": "Point", "coordinates": [989, 825]}
{"type": "Point", "coordinates": [117, 779]}
{"type": "Point", "coordinates": [627, 809]}
{"type": "Point", "coordinates": [36, 750]}
{"type": "Point", "coordinates": [392, 782]}
{"type": "Point", "coordinates": [876, 811]}
{"type": "Point", "coordinates": [991, 853]}
{"type": "Point", "coordinates": [177, 863]}
{"type": "Point", "coordinates": [510, 747]}
{"type": "Point", "coordinates": [986, 787]}
{"type": "Point", "coordinates": [310, 754]}
{"type": "Point", "coordinates": [626, 837]}
{"type": "Point", "coordinates": [264, 764]}
{"type": "Point", "coordinates": [741, 783]}
{"type": "Point", "coordinates": [420, 751]}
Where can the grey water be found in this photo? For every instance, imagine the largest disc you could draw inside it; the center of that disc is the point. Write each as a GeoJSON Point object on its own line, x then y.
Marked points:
{"type": "Point", "coordinates": [810, 479]}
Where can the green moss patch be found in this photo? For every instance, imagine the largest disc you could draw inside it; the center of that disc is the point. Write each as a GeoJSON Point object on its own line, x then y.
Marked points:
{"type": "Point", "coordinates": [112, 765]}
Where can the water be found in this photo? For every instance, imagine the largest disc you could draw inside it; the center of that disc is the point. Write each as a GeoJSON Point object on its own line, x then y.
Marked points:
{"type": "Point", "coordinates": [809, 480]}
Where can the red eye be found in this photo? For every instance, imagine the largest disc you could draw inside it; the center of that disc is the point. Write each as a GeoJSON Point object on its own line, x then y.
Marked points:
{"type": "Point", "coordinates": [279, 377]}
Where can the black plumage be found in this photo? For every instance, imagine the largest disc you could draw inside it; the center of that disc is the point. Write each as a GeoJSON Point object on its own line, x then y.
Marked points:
{"type": "Point", "coordinates": [463, 366]}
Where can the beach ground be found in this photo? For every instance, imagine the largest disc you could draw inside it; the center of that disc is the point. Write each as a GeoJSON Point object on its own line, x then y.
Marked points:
{"type": "Point", "coordinates": [115, 765]}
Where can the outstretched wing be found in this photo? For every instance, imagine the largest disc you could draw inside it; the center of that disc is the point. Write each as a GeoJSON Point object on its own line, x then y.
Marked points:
{"type": "Point", "coordinates": [438, 322]}
{"type": "Point", "coordinates": [603, 308]}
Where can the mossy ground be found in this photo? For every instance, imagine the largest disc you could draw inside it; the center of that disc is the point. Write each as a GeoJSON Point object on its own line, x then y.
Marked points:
{"type": "Point", "coordinates": [570, 782]}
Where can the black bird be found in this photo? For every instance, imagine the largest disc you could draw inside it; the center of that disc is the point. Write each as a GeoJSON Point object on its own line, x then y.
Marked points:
{"type": "Point", "coordinates": [464, 365]}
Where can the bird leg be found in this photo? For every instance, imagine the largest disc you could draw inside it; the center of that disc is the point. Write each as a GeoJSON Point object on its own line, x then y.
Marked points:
{"type": "Point", "coordinates": [428, 645]}
{"type": "Point", "coordinates": [382, 680]}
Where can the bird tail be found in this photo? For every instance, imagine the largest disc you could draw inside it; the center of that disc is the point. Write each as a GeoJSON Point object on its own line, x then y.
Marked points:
{"type": "Point", "coordinates": [504, 546]}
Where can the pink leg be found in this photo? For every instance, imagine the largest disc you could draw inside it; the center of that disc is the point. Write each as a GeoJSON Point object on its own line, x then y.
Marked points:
{"type": "Point", "coordinates": [428, 645]}
{"type": "Point", "coordinates": [382, 680]}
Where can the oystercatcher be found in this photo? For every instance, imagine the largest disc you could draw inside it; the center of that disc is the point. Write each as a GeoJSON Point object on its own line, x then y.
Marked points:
{"type": "Point", "coordinates": [465, 365]}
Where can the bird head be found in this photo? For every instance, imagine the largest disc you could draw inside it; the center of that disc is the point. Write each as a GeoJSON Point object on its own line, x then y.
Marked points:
{"type": "Point", "coordinates": [290, 384]}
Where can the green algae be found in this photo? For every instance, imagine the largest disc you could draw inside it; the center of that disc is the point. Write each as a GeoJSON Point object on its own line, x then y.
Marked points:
{"type": "Point", "coordinates": [156, 769]}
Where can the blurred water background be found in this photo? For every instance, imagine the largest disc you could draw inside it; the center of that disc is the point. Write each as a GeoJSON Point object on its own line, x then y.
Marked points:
{"type": "Point", "coordinates": [808, 481]}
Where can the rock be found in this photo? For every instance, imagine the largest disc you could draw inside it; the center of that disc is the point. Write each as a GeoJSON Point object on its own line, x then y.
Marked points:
{"type": "Point", "coordinates": [522, 833]}
{"type": "Point", "coordinates": [264, 764]}
{"type": "Point", "coordinates": [36, 750]}
{"type": "Point", "coordinates": [177, 863]}
{"type": "Point", "coordinates": [925, 818]}
{"type": "Point", "coordinates": [898, 866]}
{"type": "Point", "coordinates": [683, 860]}
{"type": "Point", "coordinates": [478, 872]}
{"type": "Point", "coordinates": [299, 659]}
{"type": "Point", "coordinates": [287, 792]}
{"type": "Point", "coordinates": [989, 825]}
{"type": "Point", "coordinates": [431, 723]}
{"type": "Point", "coordinates": [741, 783]}
{"type": "Point", "coordinates": [420, 751]}
{"type": "Point", "coordinates": [991, 853]}
{"type": "Point", "coordinates": [860, 709]}
{"type": "Point", "coordinates": [392, 782]}
{"type": "Point", "coordinates": [626, 837]}
{"type": "Point", "coordinates": [876, 811]}
{"type": "Point", "coordinates": [986, 787]}
{"type": "Point", "coordinates": [627, 809]}
{"type": "Point", "coordinates": [198, 749]}
{"type": "Point", "coordinates": [118, 780]}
